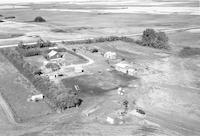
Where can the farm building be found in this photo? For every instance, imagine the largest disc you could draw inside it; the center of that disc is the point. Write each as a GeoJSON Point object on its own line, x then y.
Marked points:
{"type": "Point", "coordinates": [131, 71]}
{"type": "Point", "coordinates": [54, 55]}
{"type": "Point", "coordinates": [126, 68]}
{"type": "Point", "coordinates": [110, 55]}
{"type": "Point", "coordinates": [122, 67]}
{"type": "Point", "coordinates": [36, 98]}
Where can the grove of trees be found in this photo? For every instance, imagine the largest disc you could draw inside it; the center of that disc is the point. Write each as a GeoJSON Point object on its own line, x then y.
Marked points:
{"type": "Point", "coordinates": [154, 39]}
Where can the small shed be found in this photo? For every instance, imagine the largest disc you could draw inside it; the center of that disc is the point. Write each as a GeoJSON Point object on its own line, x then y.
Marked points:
{"type": "Point", "coordinates": [110, 55]}
{"type": "Point", "coordinates": [36, 98]}
{"type": "Point", "coordinates": [54, 55]}
{"type": "Point", "coordinates": [110, 120]}
{"type": "Point", "coordinates": [122, 67]}
{"type": "Point", "coordinates": [131, 71]}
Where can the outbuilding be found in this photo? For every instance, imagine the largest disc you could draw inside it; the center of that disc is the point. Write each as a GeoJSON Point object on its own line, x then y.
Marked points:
{"type": "Point", "coordinates": [36, 98]}
{"type": "Point", "coordinates": [54, 55]}
{"type": "Point", "coordinates": [110, 55]}
{"type": "Point", "coordinates": [122, 67]}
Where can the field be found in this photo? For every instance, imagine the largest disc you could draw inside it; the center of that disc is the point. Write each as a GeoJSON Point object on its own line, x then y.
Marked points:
{"type": "Point", "coordinates": [165, 86]}
{"type": "Point", "coordinates": [16, 90]}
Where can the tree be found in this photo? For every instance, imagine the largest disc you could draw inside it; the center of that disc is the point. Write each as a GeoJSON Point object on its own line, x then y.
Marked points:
{"type": "Point", "coordinates": [149, 37]}
{"type": "Point", "coordinates": [39, 19]}
{"type": "Point", "coordinates": [154, 39]}
{"type": "Point", "coordinates": [162, 40]}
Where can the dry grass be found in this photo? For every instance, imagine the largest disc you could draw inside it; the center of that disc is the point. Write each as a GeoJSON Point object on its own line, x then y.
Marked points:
{"type": "Point", "coordinates": [17, 89]}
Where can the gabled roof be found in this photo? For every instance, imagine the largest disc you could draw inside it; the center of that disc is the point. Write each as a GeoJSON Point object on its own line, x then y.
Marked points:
{"type": "Point", "coordinates": [52, 53]}
{"type": "Point", "coordinates": [123, 64]}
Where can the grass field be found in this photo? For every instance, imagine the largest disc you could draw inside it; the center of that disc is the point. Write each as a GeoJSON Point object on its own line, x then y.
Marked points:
{"type": "Point", "coordinates": [17, 89]}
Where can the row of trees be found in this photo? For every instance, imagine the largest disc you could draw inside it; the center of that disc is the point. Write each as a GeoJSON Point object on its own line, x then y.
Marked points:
{"type": "Point", "coordinates": [40, 48]}
{"type": "Point", "coordinates": [150, 38]}
{"type": "Point", "coordinates": [58, 96]}
{"type": "Point", "coordinates": [94, 40]}
{"type": "Point", "coordinates": [39, 44]}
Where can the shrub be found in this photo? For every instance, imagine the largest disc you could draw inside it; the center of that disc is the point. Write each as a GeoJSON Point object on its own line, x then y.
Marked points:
{"type": "Point", "coordinates": [154, 39]}
{"type": "Point", "coordinates": [94, 50]}
{"type": "Point", "coordinates": [10, 17]}
{"type": "Point", "coordinates": [39, 19]}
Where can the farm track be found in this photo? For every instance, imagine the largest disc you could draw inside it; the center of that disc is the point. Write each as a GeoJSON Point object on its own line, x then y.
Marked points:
{"type": "Point", "coordinates": [8, 111]}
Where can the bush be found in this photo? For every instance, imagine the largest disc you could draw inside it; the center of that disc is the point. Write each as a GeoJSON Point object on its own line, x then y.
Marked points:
{"type": "Point", "coordinates": [154, 39]}
{"type": "Point", "coordinates": [10, 17]}
{"type": "Point", "coordinates": [94, 50]}
{"type": "Point", "coordinates": [39, 19]}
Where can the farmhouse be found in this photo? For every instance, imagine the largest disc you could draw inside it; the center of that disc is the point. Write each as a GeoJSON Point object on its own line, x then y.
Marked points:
{"type": "Point", "coordinates": [131, 71]}
{"type": "Point", "coordinates": [126, 68]}
{"type": "Point", "coordinates": [110, 55]}
{"type": "Point", "coordinates": [54, 55]}
{"type": "Point", "coordinates": [122, 67]}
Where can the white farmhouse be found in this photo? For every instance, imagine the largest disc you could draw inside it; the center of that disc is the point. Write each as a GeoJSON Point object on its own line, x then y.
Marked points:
{"type": "Point", "coordinates": [126, 68]}
{"type": "Point", "coordinates": [131, 71]}
{"type": "Point", "coordinates": [54, 55]}
{"type": "Point", "coordinates": [110, 55]}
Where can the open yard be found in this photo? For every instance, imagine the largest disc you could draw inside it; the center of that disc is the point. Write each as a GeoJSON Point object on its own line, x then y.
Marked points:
{"type": "Point", "coordinates": [99, 83]}
{"type": "Point", "coordinates": [72, 58]}
{"type": "Point", "coordinates": [37, 61]}
{"type": "Point", "coordinates": [16, 90]}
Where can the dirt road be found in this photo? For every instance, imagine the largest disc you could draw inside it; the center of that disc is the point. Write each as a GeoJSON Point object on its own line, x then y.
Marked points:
{"type": "Point", "coordinates": [8, 111]}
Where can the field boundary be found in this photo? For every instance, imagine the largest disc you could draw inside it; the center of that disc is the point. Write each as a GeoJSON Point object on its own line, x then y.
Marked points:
{"type": "Point", "coordinates": [8, 110]}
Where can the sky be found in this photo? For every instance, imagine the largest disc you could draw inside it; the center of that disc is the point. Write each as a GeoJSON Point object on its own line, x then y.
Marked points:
{"type": "Point", "coordinates": [39, 1]}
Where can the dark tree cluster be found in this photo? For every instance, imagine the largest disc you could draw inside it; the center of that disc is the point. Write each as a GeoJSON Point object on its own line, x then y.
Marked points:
{"type": "Point", "coordinates": [39, 19]}
{"type": "Point", "coordinates": [38, 48]}
{"type": "Point", "coordinates": [154, 39]}
{"type": "Point", "coordinates": [39, 44]}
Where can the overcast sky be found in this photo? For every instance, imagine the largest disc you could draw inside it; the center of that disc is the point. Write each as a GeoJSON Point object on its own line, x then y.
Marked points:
{"type": "Point", "coordinates": [38, 1]}
{"type": "Point", "coordinates": [28, 1]}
